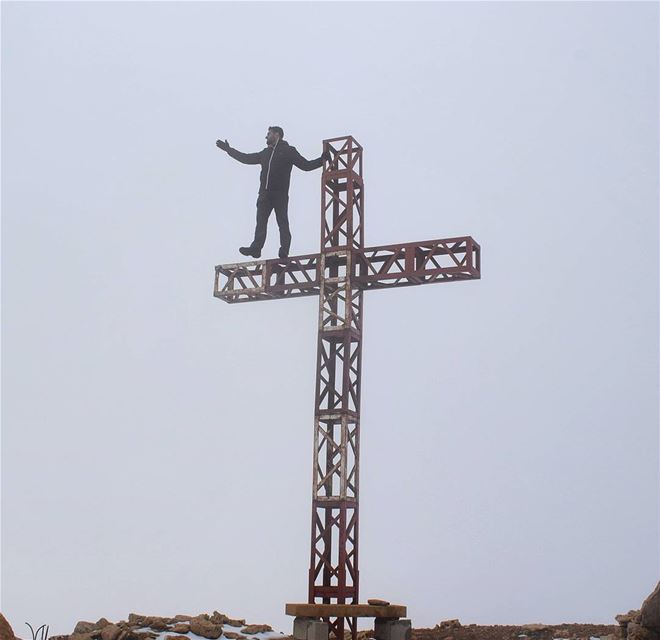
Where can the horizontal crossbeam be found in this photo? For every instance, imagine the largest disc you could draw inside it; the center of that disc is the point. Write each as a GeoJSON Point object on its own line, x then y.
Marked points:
{"type": "Point", "coordinates": [387, 266]}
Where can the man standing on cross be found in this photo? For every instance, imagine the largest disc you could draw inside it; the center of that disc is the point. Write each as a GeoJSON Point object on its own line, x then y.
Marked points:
{"type": "Point", "coordinates": [276, 161]}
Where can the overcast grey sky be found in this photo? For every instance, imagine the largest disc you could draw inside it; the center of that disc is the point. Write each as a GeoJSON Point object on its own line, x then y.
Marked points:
{"type": "Point", "coordinates": [157, 443]}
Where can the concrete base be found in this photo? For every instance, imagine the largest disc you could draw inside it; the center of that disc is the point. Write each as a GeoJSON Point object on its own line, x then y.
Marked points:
{"type": "Point", "coordinates": [318, 630]}
{"type": "Point", "coordinates": [310, 629]}
{"type": "Point", "coordinates": [388, 629]}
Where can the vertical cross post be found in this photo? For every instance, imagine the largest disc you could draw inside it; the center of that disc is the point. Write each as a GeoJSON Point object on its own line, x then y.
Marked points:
{"type": "Point", "coordinates": [333, 573]}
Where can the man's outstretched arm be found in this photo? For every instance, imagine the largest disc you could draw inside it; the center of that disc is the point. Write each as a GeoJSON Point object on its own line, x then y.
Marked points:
{"type": "Point", "coordinates": [309, 165]}
{"type": "Point", "coordinates": [245, 158]}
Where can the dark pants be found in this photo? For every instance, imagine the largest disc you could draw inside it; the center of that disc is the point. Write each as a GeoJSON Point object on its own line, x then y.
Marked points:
{"type": "Point", "coordinates": [266, 202]}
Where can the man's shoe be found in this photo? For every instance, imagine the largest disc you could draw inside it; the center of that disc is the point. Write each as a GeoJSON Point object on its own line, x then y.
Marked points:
{"type": "Point", "coordinates": [249, 251]}
{"type": "Point", "coordinates": [283, 254]}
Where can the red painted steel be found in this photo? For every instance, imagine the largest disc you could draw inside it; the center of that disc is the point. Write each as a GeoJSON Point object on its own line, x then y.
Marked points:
{"type": "Point", "coordinates": [333, 572]}
{"type": "Point", "coordinates": [387, 266]}
{"type": "Point", "coordinates": [339, 275]}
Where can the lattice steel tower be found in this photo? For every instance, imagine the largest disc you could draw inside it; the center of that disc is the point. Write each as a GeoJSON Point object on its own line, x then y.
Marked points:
{"type": "Point", "coordinates": [333, 573]}
{"type": "Point", "coordinates": [339, 275]}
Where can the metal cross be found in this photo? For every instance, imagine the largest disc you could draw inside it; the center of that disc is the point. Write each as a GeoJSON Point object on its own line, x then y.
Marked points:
{"type": "Point", "coordinates": [339, 275]}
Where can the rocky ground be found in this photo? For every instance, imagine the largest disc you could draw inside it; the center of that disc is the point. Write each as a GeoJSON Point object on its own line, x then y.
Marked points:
{"type": "Point", "coordinates": [642, 624]}
{"type": "Point", "coordinates": [180, 627]}
{"type": "Point", "coordinates": [218, 626]}
{"type": "Point", "coordinates": [454, 630]}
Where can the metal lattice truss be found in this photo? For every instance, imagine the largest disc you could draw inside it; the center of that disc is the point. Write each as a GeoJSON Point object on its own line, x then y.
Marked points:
{"type": "Point", "coordinates": [333, 574]}
{"type": "Point", "coordinates": [396, 265]}
{"type": "Point", "coordinates": [336, 572]}
{"type": "Point", "coordinates": [338, 392]}
{"type": "Point", "coordinates": [339, 275]}
{"type": "Point", "coordinates": [336, 443]}
{"type": "Point", "coordinates": [341, 203]}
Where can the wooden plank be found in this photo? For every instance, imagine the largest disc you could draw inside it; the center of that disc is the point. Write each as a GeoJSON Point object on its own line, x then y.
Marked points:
{"type": "Point", "coordinates": [345, 610]}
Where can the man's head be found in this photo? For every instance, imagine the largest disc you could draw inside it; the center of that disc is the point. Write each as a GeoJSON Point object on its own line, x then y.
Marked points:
{"type": "Point", "coordinates": [274, 135]}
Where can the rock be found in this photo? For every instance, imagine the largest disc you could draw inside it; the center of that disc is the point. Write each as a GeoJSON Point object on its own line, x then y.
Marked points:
{"type": "Point", "coordinates": [448, 624]}
{"type": "Point", "coordinates": [6, 632]}
{"type": "Point", "coordinates": [172, 637]}
{"type": "Point", "coordinates": [90, 627]}
{"type": "Point", "coordinates": [377, 602]}
{"type": "Point", "coordinates": [232, 622]}
{"type": "Point", "coordinates": [81, 636]}
{"type": "Point", "coordinates": [637, 632]}
{"type": "Point", "coordinates": [158, 624]}
{"type": "Point", "coordinates": [251, 629]}
{"type": "Point", "coordinates": [136, 619]}
{"type": "Point", "coordinates": [535, 627]}
{"type": "Point", "coordinates": [236, 622]}
{"type": "Point", "coordinates": [233, 636]}
{"type": "Point", "coordinates": [111, 632]}
{"type": "Point", "coordinates": [180, 627]}
{"type": "Point", "coordinates": [205, 628]}
{"type": "Point", "coordinates": [562, 633]}
{"type": "Point", "coordinates": [82, 626]}
{"type": "Point", "coordinates": [221, 618]}
{"type": "Point", "coordinates": [144, 635]}
{"type": "Point", "coordinates": [625, 618]}
{"type": "Point", "coordinates": [182, 618]}
{"type": "Point", "coordinates": [650, 611]}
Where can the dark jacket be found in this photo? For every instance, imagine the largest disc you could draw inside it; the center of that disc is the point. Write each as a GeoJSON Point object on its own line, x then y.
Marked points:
{"type": "Point", "coordinates": [276, 163]}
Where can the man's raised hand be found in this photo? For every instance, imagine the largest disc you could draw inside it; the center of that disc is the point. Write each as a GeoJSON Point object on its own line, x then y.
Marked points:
{"type": "Point", "coordinates": [223, 145]}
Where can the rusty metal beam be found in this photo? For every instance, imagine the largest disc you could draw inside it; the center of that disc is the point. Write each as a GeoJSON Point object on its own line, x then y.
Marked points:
{"type": "Point", "coordinates": [333, 572]}
{"type": "Point", "coordinates": [386, 266]}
